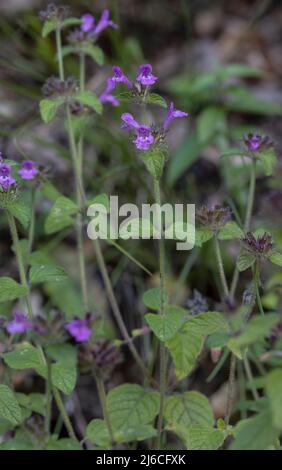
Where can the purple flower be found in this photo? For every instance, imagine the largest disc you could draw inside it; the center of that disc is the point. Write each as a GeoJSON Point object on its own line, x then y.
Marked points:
{"type": "Point", "coordinates": [129, 122]}
{"type": "Point", "coordinates": [19, 324]}
{"type": "Point", "coordinates": [144, 138]}
{"type": "Point", "coordinates": [104, 23]}
{"type": "Point", "coordinates": [88, 22]}
{"type": "Point", "coordinates": [79, 329]}
{"type": "Point", "coordinates": [120, 77]}
{"type": "Point", "coordinates": [28, 170]}
{"type": "Point", "coordinates": [6, 180]}
{"type": "Point", "coordinates": [145, 76]}
{"type": "Point", "coordinates": [172, 114]}
{"type": "Point", "coordinates": [106, 96]}
{"type": "Point", "coordinates": [253, 142]}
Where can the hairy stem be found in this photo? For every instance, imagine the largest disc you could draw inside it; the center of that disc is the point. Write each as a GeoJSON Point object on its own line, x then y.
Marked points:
{"type": "Point", "coordinates": [256, 278]}
{"type": "Point", "coordinates": [103, 401]}
{"type": "Point", "coordinates": [48, 395]}
{"type": "Point", "coordinates": [220, 268]}
{"type": "Point", "coordinates": [64, 414]}
{"type": "Point", "coordinates": [21, 267]}
{"type": "Point", "coordinates": [162, 386]}
{"type": "Point", "coordinates": [230, 392]}
{"type": "Point", "coordinates": [59, 52]}
{"type": "Point", "coordinates": [115, 308]}
{"type": "Point", "coordinates": [247, 223]}
{"type": "Point", "coordinates": [250, 375]}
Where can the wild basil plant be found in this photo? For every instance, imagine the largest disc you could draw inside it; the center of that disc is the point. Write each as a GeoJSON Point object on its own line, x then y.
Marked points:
{"type": "Point", "coordinates": [160, 411]}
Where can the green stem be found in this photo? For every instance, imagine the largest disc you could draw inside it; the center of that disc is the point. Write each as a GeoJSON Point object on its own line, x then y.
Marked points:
{"type": "Point", "coordinates": [250, 375]}
{"type": "Point", "coordinates": [256, 277]}
{"type": "Point", "coordinates": [230, 393]}
{"type": "Point", "coordinates": [32, 222]}
{"type": "Point", "coordinates": [16, 243]}
{"type": "Point", "coordinates": [162, 386]}
{"type": "Point", "coordinates": [59, 52]}
{"type": "Point", "coordinates": [64, 414]}
{"type": "Point", "coordinates": [220, 268]}
{"type": "Point", "coordinates": [48, 394]}
{"type": "Point", "coordinates": [248, 217]}
{"type": "Point", "coordinates": [103, 401]}
{"type": "Point", "coordinates": [115, 308]}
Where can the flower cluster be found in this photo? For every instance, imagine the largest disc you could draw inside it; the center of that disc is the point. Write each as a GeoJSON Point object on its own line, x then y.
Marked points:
{"type": "Point", "coordinates": [81, 328]}
{"type": "Point", "coordinates": [256, 143]}
{"type": "Point", "coordinates": [102, 354]}
{"type": "Point", "coordinates": [19, 323]}
{"type": "Point", "coordinates": [213, 218]}
{"type": "Point", "coordinates": [146, 136]}
{"type": "Point", "coordinates": [197, 303]}
{"type": "Point", "coordinates": [54, 13]}
{"type": "Point", "coordinates": [89, 30]}
{"type": "Point", "coordinates": [28, 170]}
{"type": "Point", "coordinates": [7, 181]}
{"type": "Point", "coordinates": [260, 245]}
{"type": "Point", "coordinates": [55, 87]}
{"type": "Point", "coordinates": [144, 79]}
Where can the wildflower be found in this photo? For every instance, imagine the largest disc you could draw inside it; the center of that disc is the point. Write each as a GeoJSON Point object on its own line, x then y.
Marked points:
{"type": "Point", "coordinates": [55, 87]}
{"type": "Point", "coordinates": [143, 138]}
{"type": "Point", "coordinates": [173, 114]}
{"type": "Point", "coordinates": [55, 13]}
{"type": "Point", "coordinates": [87, 22]}
{"type": "Point", "coordinates": [120, 77]}
{"type": "Point", "coordinates": [260, 245]}
{"type": "Point", "coordinates": [145, 76]}
{"type": "Point", "coordinates": [79, 329]}
{"type": "Point", "coordinates": [28, 170]}
{"type": "Point", "coordinates": [102, 354]}
{"type": "Point", "coordinates": [107, 96]}
{"type": "Point", "coordinates": [214, 218]}
{"type": "Point", "coordinates": [104, 23]}
{"type": "Point", "coordinates": [19, 324]}
{"type": "Point", "coordinates": [6, 180]}
{"type": "Point", "coordinates": [197, 303]}
{"type": "Point", "coordinates": [253, 142]}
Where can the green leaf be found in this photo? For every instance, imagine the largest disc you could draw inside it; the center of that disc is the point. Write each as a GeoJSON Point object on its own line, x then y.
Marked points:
{"type": "Point", "coordinates": [48, 27]}
{"type": "Point", "coordinates": [9, 407]}
{"type": "Point", "coordinates": [238, 70]}
{"type": "Point", "coordinates": [211, 121]}
{"type": "Point", "coordinates": [60, 215]}
{"type": "Point", "coordinates": [95, 52]}
{"type": "Point", "coordinates": [25, 356]}
{"type": "Point", "coordinates": [90, 99]}
{"type": "Point", "coordinates": [268, 159]}
{"type": "Point", "coordinates": [202, 235]}
{"type": "Point", "coordinates": [132, 405]}
{"type": "Point", "coordinates": [240, 100]}
{"type": "Point", "coordinates": [97, 432]}
{"type": "Point", "coordinates": [63, 444]}
{"type": "Point", "coordinates": [62, 352]}
{"type": "Point", "coordinates": [256, 433]}
{"type": "Point", "coordinates": [46, 273]}
{"type": "Point", "coordinates": [154, 160]}
{"type": "Point", "coordinates": [230, 231]}
{"type": "Point", "coordinates": [276, 258]}
{"type": "Point", "coordinates": [21, 212]}
{"type": "Point", "coordinates": [187, 409]}
{"type": "Point", "coordinates": [154, 98]}
{"type": "Point", "coordinates": [165, 326]}
{"type": "Point", "coordinates": [21, 441]}
{"type": "Point", "coordinates": [184, 349]}
{"type": "Point", "coordinates": [245, 260]}
{"type": "Point", "coordinates": [152, 298]}
{"type": "Point", "coordinates": [204, 438]}
{"type": "Point", "coordinates": [33, 402]}
{"type": "Point", "coordinates": [234, 153]}
{"type": "Point", "coordinates": [186, 345]}
{"type": "Point", "coordinates": [257, 329]}
{"type": "Point", "coordinates": [101, 199]}
{"type": "Point", "coordinates": [49, 109]}
{"type": "Point", "coordinates": [64, 377]}
{"type": "Point", "coordinates": [274, 392]}
{"type": "Point", "coordinates": [10, 289]}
